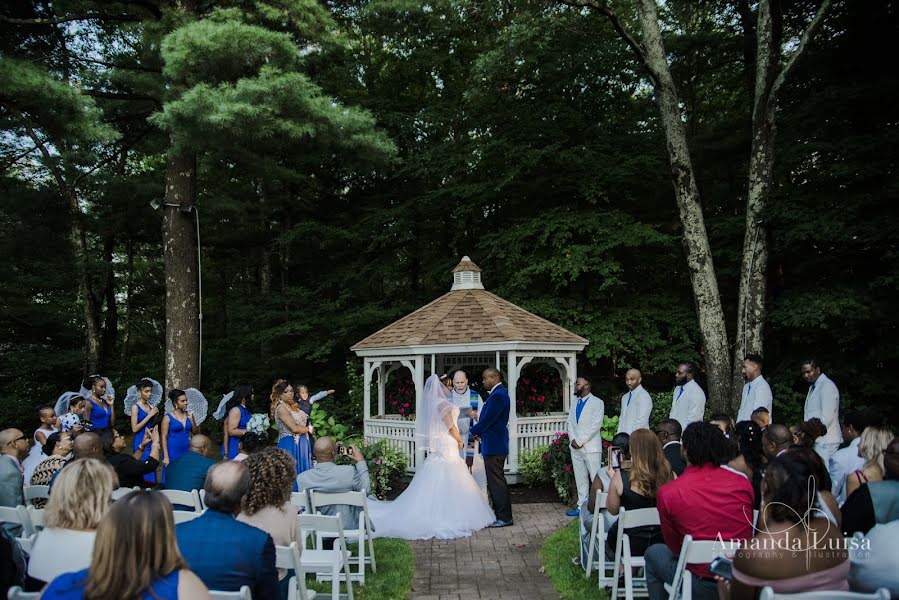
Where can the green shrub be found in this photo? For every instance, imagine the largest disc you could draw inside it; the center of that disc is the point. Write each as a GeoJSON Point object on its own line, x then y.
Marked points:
{"type": "Point", "coordinates": [558, 461]}
{"type": "Point", "coordinates": [386, 466]}
{"type": "Point", "coordinates": [325, 425]}
{"type": "Point", "coordinates": [532, 466]}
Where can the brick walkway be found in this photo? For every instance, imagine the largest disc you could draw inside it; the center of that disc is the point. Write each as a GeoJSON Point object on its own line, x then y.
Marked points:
{"type": "Point", "coordinates": [500, 564]}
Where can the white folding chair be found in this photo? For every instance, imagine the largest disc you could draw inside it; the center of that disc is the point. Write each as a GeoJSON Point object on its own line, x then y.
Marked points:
{"type": "Point", "coordinates": [695, 552]}
{"type": "Point", "coordinates": [16, 593]}
{"type": "Point", "coordinates": [362, 534]}
{"type": "Point", "coordinates": [301, 500]}
{"type": "Point", "coordinates": [182, 498]}
{"type": "Point", "coordinates": [329, 563]}
{"type": "Point", "coordinates": [122, 492]}
{"type": "Point", "coordinates": [183, 516]}
{"type": "Point", "coordinates": [243, 594]}
{"type": "Point", "coordinates": [34, 492]}
{"type": "Point", "coordinates": [628, 519]}
{"type": "Point", "coordinates": [202, 494]}
{"type": "Point", "coordinates": [880, 594]}
{"type": "Point", "coordinates": [18, 516]}
{"type": "Point", "coordinates": [36, 515]}
{"type": "Point", "coordinates": [290, 557]}
{"type": "Point", "coordinates": [598, 543]}
{"type": "Point", "coordinates": [27, 543]}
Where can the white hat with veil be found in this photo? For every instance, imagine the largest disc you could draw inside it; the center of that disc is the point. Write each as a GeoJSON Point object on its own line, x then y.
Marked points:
{"type": "Point", "coordinates": [434, 417]}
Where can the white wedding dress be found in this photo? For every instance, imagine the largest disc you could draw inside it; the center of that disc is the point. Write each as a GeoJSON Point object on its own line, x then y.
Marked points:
{"type": "Point", "coordinates": [443, 501]}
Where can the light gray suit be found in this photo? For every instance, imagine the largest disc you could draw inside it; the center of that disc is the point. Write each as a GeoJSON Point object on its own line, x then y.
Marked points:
{"type": "Point", "coordinates": [332, 478]}
{"type": "Point", "coordinates": [11, 493]}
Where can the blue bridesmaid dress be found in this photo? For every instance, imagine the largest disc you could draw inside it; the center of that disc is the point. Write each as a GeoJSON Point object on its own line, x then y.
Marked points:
{"type": "Point", "coordinates": [296, 444]}
{"type": "Point", "coordinates": [245, 415]}
{"type": "Point", "coordinates": [178, 440]}
{"type": "Point", "coordinates": [138, 438]}
{"type": "Point", "coordinates": [100, 416]}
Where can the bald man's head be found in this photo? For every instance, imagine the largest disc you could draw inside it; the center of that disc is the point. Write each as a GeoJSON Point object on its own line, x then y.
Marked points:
{"type": "Point", "coordinates": [88, 445]}
{"type": "Point", "coordinates": [226, 485]}
{"type": "Point", "coordinates": [201, 444]}
{"type": "Point", "coordinates": [632, 379]}
{"type": "Point", "coordinates": [775, 439]}
{"type": "Point", "coordinates": [325, 449]}
{"type": "Point", "coordinates": [11, 443]}
{"type": "Point", "coordinates": [491, 377]}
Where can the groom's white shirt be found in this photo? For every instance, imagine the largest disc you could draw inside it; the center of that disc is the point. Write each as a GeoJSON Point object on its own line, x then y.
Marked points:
{"type": "Point", "coordinates": [756, 394]}
{"type": "Point", "coordinates": [585, 431]}
{"type": "Point", "coordinates": [635, 412]}
{"type": "Point", "coordinates": [688, 406]}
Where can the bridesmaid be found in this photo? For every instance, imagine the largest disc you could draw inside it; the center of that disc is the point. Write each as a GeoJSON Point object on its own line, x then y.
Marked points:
{"type": "Point", "coordinates": [176, 429]}
{"type": "Point", "coordinates": [238, 415]}
{"type": "Point", "coordinates": [143, 417]}
{"type": "Point", "coordinates": [291, 423]}
{"type": "Point", "coordinates": [98, 409]}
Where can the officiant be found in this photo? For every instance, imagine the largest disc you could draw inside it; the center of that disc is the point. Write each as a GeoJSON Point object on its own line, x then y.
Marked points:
{"type": "Point", "coordinates": [469, 403]}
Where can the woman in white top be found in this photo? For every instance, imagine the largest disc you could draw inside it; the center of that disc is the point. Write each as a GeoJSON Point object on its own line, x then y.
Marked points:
{"type": "Point", "coordinates": [80, 499]}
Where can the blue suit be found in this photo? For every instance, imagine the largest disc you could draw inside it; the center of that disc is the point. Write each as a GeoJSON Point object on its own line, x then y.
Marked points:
{"type": "Point", "coordinates": [493, 424]}
{"type": "Point", "coordinates": [227, 554]}
{"type": "Point", "coordinates": [188, 472]}
{"type": "Point", "coordinates": [493, 429]}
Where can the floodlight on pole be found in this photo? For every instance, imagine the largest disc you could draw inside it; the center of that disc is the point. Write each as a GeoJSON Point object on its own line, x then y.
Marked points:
{"type": "Point", "coordinates": [186, 208]}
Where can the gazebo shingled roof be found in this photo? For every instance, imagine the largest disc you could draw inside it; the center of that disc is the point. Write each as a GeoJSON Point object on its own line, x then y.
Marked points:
{"type": "Point", "coordinates": [468, 316]}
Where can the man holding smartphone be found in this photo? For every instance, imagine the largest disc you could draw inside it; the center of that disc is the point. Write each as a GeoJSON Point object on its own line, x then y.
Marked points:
{"type": "Point", "coordinates": [584, 425]}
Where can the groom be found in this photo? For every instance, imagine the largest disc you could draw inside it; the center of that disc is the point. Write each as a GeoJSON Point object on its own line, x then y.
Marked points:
{"type": "Point", "coordinates": [493, 430]}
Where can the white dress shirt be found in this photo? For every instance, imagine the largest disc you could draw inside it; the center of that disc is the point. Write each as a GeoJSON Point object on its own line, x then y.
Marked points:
{"type": "Point", "coordinates": [823, 402]}
{"type": "Point", "coordinates": [842, 463]}
{"type": "Point", "coordinates": [635, 409]}
{"type": "Point", "coordinates": [756, 394]}
{"type": "Point", "coordinates": [688, 404]}
{"type": "Point", "coordinates": [586, 430]}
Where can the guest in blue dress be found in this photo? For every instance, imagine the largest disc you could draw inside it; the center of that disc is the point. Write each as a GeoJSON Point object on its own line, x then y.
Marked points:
{"type": "Point", "coordinates": [98, 409]}
{"type": "Point", "coordinates": [143, 417]}
{"type": "Point", "coordinates": [135, 556]}
{"type": "Point", "coordinates": [176, 430]}
{"type": "Point", "coordinates": [238, 415]}
{"type": "Point", "coordinates": [292, 426]}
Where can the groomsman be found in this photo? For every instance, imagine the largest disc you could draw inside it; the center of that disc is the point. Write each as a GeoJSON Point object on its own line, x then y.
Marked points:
{"type": "Point", "coordinates": [584, 425]}
{"type": "Point", "coordinates": [823, 402]}
{"type": "Point", "coordinates": [688, 405]}
{"type": "Point", "coordinates": [756, 391]}
{"type": "Point", "coordinates": [636, 405]}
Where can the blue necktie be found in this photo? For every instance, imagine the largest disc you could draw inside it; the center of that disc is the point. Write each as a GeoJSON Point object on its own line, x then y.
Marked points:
{"type": "Point", "coordinates": [580, 406]}
{"type": "Point", "coordinates": [629, 396]}
{"type": "Point", "coordinates": [748, 389]}
{"type": "Point", "coordinates": [681, 391]}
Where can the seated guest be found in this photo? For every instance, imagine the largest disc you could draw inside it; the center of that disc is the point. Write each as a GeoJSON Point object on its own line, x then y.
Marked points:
{"type": "Point", "coordinates": [327, 476]}
{"type": "Point", "coordinates": [824, 500]}
{"type": "Point", "coordinates": [875, 440]}
{"type": "Point", "coordinates": [875, 566]}
{"type": "Point", "coordinates": [267, 504]}
{"type": "Point", "coordinates": [225, 553]}
{"type": "Point", "coordinates": [636, 488]}
{"type": "Point", "coordinates": [189, 472]}
{"type": "Point", "coordinates": [135, 556]}
{"type": "Point", "coordinates": [668, 432]}
{"type": "Point", "coordinates": [806, 433]}
{"type": "Point", "coordinates": [129, 467]}
{"type": "Point", "coordinates": [13, 449]}
{"type": "Point", "coordinates": [786, 522]}
{"type": "Point", "coordinates": [86, 445]}
{"type": "Point", "coordinates": [761, 417]}
{"type": "Point", "coordinates": [248, 444]}
{"type": "Point", "coordinates": [707, 502]}
{"type": "Point", "coordinates": [79, 502]}
{"type": "Point", "coordinates": [776, 440]}
{"type": "Point", "coordinates": [875, 502]}
{"type": "Point", "coordinates": [724, 423]}
{"type": "Point", "coordinates": [57, 447]}
{"type": "Point", "coordinates": [847, 459]}
{"type": "Point", "coordinates": [12, 563]}
{"type": "Point", "coordinates": [750, 460]}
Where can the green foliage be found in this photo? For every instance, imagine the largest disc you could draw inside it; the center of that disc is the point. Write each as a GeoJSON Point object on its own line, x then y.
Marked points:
{"type": "Point", "coordinates": [609, 427]}
{"type": "Point", "coordinates": [661, 407]}
{"type": "Point", "coordinates": [326, 425]}
{"type": "Point", "coordinates": [558, 463]}
{"type": "Point", "coordinates": [386, 466]}
{"type": "Point", "coordinates": [533, 467]}
{"type": "Point", "coordinates": [567, 578]}
{"type": "Point", "coordinates": [392, 581]}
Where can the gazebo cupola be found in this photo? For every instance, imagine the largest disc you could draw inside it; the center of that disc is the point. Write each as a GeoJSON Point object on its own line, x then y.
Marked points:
{"type": "Point", "coordinates": [471, 328]}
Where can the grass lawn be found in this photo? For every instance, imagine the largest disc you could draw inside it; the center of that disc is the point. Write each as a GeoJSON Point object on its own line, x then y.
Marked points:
{"type": "Point", "coordinates": [393, 581]}
{"type": "Point", "coordinates": [568, 579]}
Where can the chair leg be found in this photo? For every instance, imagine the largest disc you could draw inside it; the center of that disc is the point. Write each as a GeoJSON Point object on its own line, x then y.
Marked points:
{"type": "Point", "coordinates": [371, 552]}
{"type": "Point", "coordinates": [362, 561]}
{"type": "Point", "coordinates": [335, 584]}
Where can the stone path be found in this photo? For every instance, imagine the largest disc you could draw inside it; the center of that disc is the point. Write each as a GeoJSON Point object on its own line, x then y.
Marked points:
{"type": "Point", "coordinates": [500, 564]}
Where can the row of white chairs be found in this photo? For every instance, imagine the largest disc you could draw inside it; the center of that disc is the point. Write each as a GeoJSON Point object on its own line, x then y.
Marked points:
{"type": "Point", "coordinates": [16, 593]}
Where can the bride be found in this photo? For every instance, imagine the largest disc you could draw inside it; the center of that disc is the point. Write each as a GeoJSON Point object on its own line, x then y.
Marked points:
{"type": "Point", "coordinates": [443, 501]}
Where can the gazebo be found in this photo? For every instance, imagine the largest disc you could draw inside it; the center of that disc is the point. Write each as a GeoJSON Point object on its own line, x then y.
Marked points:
{"type": "Point", "coordinates": [467, 327]}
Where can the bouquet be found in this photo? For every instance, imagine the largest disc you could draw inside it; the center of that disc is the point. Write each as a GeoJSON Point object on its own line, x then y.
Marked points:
{"type": "Point", "coordinates": [259, 423]}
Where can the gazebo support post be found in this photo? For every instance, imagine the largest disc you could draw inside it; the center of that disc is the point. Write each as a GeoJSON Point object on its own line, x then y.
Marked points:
{"type": "Point", "coordinates": [511, 361]}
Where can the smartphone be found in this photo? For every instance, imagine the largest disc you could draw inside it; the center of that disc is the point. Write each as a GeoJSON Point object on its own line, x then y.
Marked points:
{"type": "Point", "coordinates": [613, 456]}
{"type": "Point", "coordinates": [722, 567]}
{"type": "Point", "coordinates": [344, 450]}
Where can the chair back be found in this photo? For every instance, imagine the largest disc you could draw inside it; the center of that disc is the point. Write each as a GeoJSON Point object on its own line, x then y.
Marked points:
{"type": "Point", "coordinates": [202, 494]}
{"type": "Point", "coordinates": [27, 543]}
{"type": "Point", "coordinates": [880, 594]}
{"type": "Point", "coordinates": [301, 500]}
{"type": "Point", "coordinates": [243, 594]}
{"type": "Point", "coordinates": [33, 492]}
{"type": "Point", "coordinates": [37, 517]}
{"type": "Point", "coordinates": [18, 516]}
{"type": "Point", "coordinates": [358, 499]}
{"type": "Point", "coordinates": [183, 516]}
{"type": "Point", "coordinates": [639, 517]}
{"type": "Point", "coordinates": [697, 552]}
{"type": "Point", "coordinates": [122, 492]}
{"type": "Point", "coordinates": [182, 498]}
{"type": "Point", "coordinates": [16, 593]}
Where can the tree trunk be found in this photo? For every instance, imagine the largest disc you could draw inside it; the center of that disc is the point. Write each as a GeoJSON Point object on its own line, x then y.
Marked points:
{"type": "Point", "coordinates": [696, 242]}
{"type": "Point", "coordinates": [182, 342]}
{"type": "Point", "coordinates": [85, 286]}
